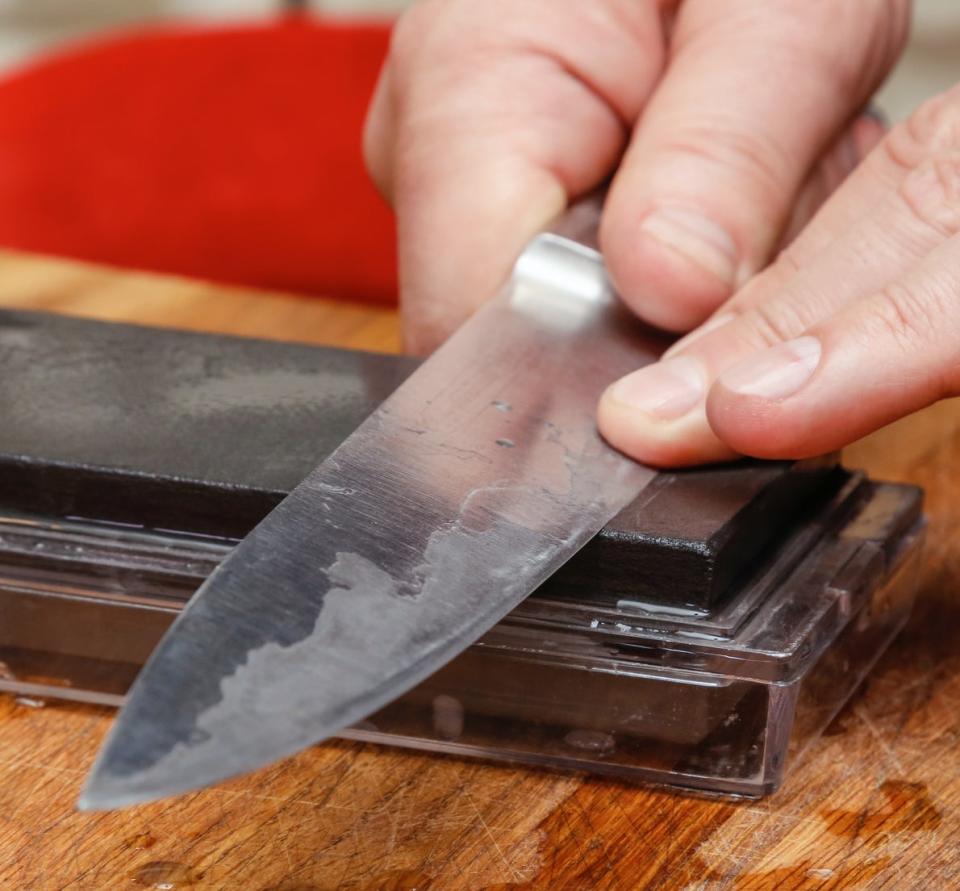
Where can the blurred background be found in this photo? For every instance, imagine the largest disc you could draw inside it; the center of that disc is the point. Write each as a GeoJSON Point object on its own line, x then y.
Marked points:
{"type": "Point", "coordinates": [218, 138]}
{"type": "Point", "coordinates": [28, 27]}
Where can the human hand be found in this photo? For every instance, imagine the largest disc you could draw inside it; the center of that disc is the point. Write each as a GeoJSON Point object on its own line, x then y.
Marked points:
{"type": "Point", "coordinates": [855, 325]}
{"type": "Point", "coordinates": [490, 115]}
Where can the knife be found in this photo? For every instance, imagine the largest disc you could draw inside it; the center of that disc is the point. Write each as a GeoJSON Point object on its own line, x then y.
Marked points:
{"type": "Point", "coordinates": [478, 478]}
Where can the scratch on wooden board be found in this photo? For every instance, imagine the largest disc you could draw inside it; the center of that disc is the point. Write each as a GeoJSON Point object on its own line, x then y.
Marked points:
{"type": "Point", "coordinates": [861, 713]}
{"type": "Point", "coordinates": [486, 828]}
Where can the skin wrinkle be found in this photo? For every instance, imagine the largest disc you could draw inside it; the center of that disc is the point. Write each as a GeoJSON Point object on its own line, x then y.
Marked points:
{"type": "Point", "coordinates": [627, 107]}
{"type": "Point", "coordinates": [773, 326]}
{"type": "Point", "coordinates": [931, 197]}
{"type": "Point", "coordinates": [948, 176]}
{"type": "Point", "coordinates": [624, 121]}
{"type": "Point", "coordinates": [908, 317]}
{"type": "Point", "coordinates": [727, 147]}
{"type": "Point", "coordinates": [565, 173]}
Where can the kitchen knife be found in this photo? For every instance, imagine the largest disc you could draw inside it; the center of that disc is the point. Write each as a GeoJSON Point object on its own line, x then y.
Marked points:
{"type": "Point", "coordinates": [479, 477]}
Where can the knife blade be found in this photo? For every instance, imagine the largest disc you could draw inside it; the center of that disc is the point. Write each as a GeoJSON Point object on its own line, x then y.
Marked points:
{"type": "Point", "coordinates": [467, 488]}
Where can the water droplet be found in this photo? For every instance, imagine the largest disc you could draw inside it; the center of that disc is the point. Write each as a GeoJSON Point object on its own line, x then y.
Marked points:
{"type": "Point", "coordinates": [166, 874]}
{"type": "Point", "coordinates": [506, 443]}
{"type": "Point", "coordinates": [500, 405]}
{"type": "Point", "coordinates": [30, 702]}
{"type": "Point", "coordinates": [143, 840]}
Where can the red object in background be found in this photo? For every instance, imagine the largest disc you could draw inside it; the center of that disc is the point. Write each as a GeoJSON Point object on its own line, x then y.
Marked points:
{"type": "Point", "coordinates": [232, 154]}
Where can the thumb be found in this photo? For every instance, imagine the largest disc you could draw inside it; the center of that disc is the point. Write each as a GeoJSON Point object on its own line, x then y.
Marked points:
{"type": "Point", "coordinates": [752, 97]}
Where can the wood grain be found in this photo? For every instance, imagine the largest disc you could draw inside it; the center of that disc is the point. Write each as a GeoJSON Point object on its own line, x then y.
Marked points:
{"type": "Point", "coordinates": [875, 804]}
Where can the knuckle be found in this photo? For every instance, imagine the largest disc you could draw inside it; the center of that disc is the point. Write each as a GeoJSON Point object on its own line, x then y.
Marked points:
{"type": "Point", "coordinates": [771, 323]}
{"type": "Point", "coordinates": [907, 315]}
{"type": "Point", "coordinates": [931, 193]}
{"type": "Point", "coordinates": [933, 129]}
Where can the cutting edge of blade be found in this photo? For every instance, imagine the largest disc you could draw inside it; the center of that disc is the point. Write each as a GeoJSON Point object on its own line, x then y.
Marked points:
{"type": "Point", "coordinates": [103, 791]}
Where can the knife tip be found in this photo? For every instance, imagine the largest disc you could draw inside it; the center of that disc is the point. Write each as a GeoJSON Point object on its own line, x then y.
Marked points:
{"type": "Point", "coordinates": [107, 791]}
{"type": "Point", "coordinates": [100, 796]}
{"type": "Point", "coordinates": [88, 802]}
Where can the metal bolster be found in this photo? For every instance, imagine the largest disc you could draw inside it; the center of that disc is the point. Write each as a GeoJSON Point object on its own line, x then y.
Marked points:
{"type": "Point", "coordinates": [563, 267]}
{"type": "Point", "coordinates": [565, 260]}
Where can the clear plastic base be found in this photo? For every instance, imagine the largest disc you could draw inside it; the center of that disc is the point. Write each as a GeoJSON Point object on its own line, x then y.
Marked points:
{"type": "Point", "coordinates": [709, 701]}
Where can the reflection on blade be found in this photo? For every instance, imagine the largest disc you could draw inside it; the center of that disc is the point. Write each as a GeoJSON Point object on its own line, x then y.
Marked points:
{"type": "Point", "coordinates": [474, 482]}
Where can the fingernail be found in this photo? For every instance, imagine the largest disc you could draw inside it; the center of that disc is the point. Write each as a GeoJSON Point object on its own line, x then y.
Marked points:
{"type": "Point", "coordinates": [776, 373]}
{"type": "Point", "coordinates": [665, 390]}
{"type": "Point", "coordinates": [711, 324]}
{"type": "Point", "coordinates": [700, 240]}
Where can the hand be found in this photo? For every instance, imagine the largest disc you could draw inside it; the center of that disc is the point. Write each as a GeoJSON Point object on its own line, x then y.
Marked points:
{"type": "Point", "coordinates": [490, 115]}
{"type": "Point", "coordinates": [855, 325]}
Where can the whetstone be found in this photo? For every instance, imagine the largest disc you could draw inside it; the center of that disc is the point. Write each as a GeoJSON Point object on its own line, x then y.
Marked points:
{"type": "Point", "coordinates": [207, 433]}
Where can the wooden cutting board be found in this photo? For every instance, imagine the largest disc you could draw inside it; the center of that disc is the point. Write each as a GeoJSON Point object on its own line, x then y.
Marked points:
{"type": "Point", "coordinates": [876, 804]}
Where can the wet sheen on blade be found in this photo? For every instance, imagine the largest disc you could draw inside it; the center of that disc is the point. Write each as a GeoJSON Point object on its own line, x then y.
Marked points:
{"type": "Point", "coordinates": [467, 488]}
